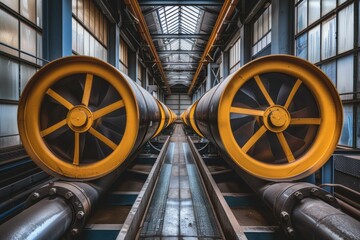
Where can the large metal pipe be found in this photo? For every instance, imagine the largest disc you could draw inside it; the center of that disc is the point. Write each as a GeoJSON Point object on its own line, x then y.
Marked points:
{"type": "Point", "coordinates": [80, 118]}
{"type": "Point", "coordinates": [47, 219]}
{"type": "Point", "coordinates": [58, 208]}
{"type": "Point", "coordinates": [304, 210]}
{"type": "Point", "coordinates": [278, 117]}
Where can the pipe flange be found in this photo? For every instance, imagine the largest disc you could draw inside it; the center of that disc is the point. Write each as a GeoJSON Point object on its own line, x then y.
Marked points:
{"type": "Point", "coordinates": [74, 195]}
{"type": "Point", "coordinates": [286, 202]}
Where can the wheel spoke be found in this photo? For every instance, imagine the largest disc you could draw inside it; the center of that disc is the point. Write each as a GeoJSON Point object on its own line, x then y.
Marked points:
{"type": "Point", "coordinates": [76, 149]}
{"type": "Point", "coordinates": [87, 89]}
{"type": "Point", "coordinates": [53, 128]}
{"type": "Point", "coordinates": [59, 99]}
{"type": "Point", "coordinates": [254, 139]}
{"type": "Point", "coordinates": [305, 121]}
{"type": "Point", "coordinates": [108, 109]}
{"type": "Point", "coordinates": [263, 90]}
{"type": "Point", "coordinates": [285, 146]}
{"type": "Point", "coordinates": [292, 93]}
{"type": "Point", "coordinates": [247, 111]}
{"type": "Point", "coordinates": [102, 138]}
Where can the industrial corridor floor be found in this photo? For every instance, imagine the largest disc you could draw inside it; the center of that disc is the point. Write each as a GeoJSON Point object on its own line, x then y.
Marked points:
{"type": "Point", "coordinates": [179, 208]}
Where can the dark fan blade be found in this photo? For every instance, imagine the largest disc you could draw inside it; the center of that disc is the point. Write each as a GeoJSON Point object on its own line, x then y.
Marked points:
{"type": "Point", "coordinates": [249, 93]}
{"type": "Point", "coordinates": [245, 132]}
{"type": "Point", "coordinates": [305, 112]}
{"type": "Point", "coordinates": [283, 94]}
{"type": "Point", "coordinates": [262, 150]}
{"type": "Point", "coordinates": [99, 89]}
{"type": "Point", "coordinates": [54, 135]}
{"type": "Point", "coordinates": [110, 133]}
{"type": "Point", "coordinates": [110, 97]}
{"type": "Point", "coordinates": [294, 142]}
{"type": "Point", "coordinates": [99, 150]}
{"type": "Point", "coordinates": [115, 122]}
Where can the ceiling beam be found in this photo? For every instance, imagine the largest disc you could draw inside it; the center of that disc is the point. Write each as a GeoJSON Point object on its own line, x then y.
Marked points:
{"type": "Point", "coordinates": [227, 8]}
{"type": "Point", "coordinates": [180, 36]}
{"type": "Point", "coordinates": [179, 52]}
{"type": "Point", "coordinates": [144, 31]}
{"type": "Point", "coordinates": [180, 3]}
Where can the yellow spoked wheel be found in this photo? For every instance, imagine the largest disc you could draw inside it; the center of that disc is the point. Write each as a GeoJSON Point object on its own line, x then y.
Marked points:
{"type": "Point", "coordinates": [280, 118]}
{"type": "Point", "coordinates": [74, 116]}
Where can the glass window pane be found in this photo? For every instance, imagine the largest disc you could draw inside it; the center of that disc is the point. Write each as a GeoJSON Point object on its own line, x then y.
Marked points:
{"type": "Point", "coordinates": [266, 20]}
{"type": "Point", "coordinates": [73, 3]}
{"type": "Point", "coordinates": [39, 17]}
{"type": "Point", "coordinates": [13, 4]}
{"type": "Point", "coordinates": [39, 50]}
{"type": "Point", "coordinates": [328, 38]}
{"type": "Point", "coordinates": [80, 39]}
{"type": "Point", "coordinates": [26, 72]}
{"type": "Point", "coordinates": [347, 130]}
{"type": "Point", "coordinates": [8, 122]}
{"type": "Point", "coordinates": [92, 46]}
{"type": "Point", "coordinates": [314, 10]}
{"type": "Point", "coordinates": [9, 83]}
{"type": "Point", "coordinates": [341, 1]}
{"type": "Point", "coordinates": [255, 30]}
{"type": "Point", "coordinates": [302, 16]}
{"type": "Point", "coordinates": [80, 10]}
{"type": "Point", "coordinates": [330, 70]}
{"type": "Point", "coordinates": [9, 29]}
{"type": "Point", "coordinates": [27, 9]}
{"type": "Point", "coordinates": [327, 6]}
{"type": "Point", "coordinates": [314, 44]}
{"type": "Point", "coordinates": [28, 42]}
{"type": "Point", "coordinates": [346, 29]}
{"type": "Point", "coordinates": [86, 43]}
{"type": "Point", "coordinates": [74, 35]}
{"type": "Point", "coordinates": [345, 76]}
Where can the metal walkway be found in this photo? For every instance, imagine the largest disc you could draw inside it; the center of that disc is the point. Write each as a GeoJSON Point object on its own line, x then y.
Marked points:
{"type": "Point", "coordinates": [179, 207]}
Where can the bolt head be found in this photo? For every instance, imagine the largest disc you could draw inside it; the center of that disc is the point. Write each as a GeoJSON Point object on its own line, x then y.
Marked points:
{"type": "Point", "coordinates": [298, 195]}
{"type": "Point", "coordinates": [290, 231]}
{"type": "Point", "coordinates": [314, 190]}
{"type": "Point", "coordinates": [52, 191]}
{"type": "Point", "coordinates": [80, 214]}
{"type": "Point", "coordinates": [330, 197]}
{"type": "Point", "coordinates": [284, 216]}
{"type": "Point", "coordinates": [69, 195]}
{"type": "Point", "coordinates": [74, 231]}
{"type": "Point", "coordinates": [35, 195]}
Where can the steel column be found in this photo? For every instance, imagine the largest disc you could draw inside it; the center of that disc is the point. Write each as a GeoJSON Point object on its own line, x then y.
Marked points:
{"type": "Point", "coordinates": [57, 31]}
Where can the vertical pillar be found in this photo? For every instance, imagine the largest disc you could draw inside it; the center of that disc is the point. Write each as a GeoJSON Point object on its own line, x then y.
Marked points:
{"type": "Point", "coordinates": [282, 30]}
{"type": "Point", "coordinates": [57, 31]}
{"type": "Point", "coordinates": [208, 78]}
{"type": "Point", "coordinates": [246, 44]}
{"type": "Point", "coordinates": [114, 45]}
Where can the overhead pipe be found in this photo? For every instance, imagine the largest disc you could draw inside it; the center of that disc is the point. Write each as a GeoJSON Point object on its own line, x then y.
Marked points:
{"type": "Point", "coordinates": [226, 10]}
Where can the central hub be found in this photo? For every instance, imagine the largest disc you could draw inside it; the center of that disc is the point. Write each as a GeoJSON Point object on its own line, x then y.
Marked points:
{"type": "Point", "coordinates": [79, 119]}
{"type": "Point", "coordinates": [276, 118]}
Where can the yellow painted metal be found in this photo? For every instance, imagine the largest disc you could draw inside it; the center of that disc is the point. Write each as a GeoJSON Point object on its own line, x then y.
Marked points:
{"type": "Point", "coordinates": [162, 120]}
{"type": "Point", "coordinates": [226, 10]}
{"type": "Point", "coordinates": [79, 118]}
{"type": "Point", "coordinates": [144, 31]}
{"type": "Point", "coordinates": [277, 119]}
{"type": "Point", "coordinates": [191, 119]}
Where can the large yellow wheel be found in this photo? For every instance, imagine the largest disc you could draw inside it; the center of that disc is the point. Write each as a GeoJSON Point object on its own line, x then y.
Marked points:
{"type": "Point", "coordinates": [279, 117]}
{"type": "Point", "coordinates": [191, 119]}
{"type": "Point", "coordinates": [78, 118]}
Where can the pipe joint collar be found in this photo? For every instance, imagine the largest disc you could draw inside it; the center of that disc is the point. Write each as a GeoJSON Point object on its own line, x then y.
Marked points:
{"type": "Point", "coordinates": [289, 196]}
{"type": "Point", "coordinates": [74, 196]}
